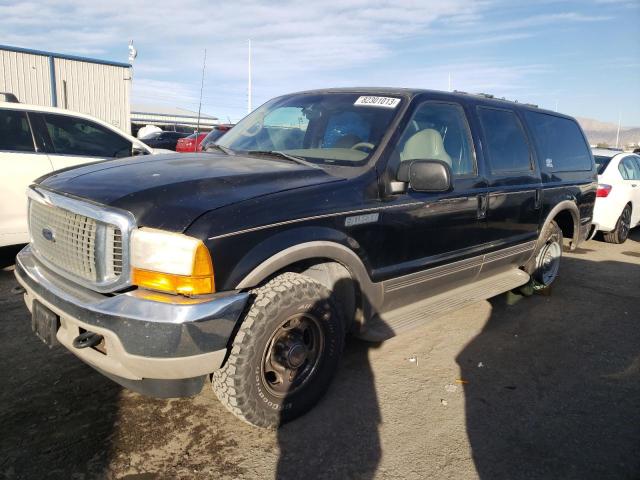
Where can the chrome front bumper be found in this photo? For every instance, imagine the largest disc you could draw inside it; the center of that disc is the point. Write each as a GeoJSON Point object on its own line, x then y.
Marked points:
{"type": "Point", "coordinates": [148, 337]}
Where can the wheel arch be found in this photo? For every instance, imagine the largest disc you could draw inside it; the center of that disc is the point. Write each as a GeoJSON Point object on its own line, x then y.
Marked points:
{"type": "Point", "coordinates": [567, 216]}
{"type": "Point", "coordinates": [314, 259]}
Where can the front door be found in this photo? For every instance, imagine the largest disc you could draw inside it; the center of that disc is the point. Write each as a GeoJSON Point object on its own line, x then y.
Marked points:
{"type": "Point", "coordinates": [427, 242]}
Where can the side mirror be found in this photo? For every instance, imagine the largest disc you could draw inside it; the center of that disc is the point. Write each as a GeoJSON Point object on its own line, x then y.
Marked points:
{"type": "Point", "coordinates": [426, 175]}
{"type": "Point", "coordinates": [138, 150]}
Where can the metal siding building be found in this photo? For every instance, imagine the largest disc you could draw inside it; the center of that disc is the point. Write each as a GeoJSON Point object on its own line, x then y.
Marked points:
{"type": "Point", "coordinates": [96, 87]}
{"type": "Point", "coordinates": [166, 117]}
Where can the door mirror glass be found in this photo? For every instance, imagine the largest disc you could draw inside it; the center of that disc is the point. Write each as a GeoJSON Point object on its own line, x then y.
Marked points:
{"type": "Point", "coordinates": [426, 175]}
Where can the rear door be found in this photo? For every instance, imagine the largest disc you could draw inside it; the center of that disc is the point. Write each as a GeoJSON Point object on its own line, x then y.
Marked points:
{"type": "Point", "coordinates": [514, 187]}
{"type": "Point", "coordinates": [73, 141]}
{"type": "Point", "coordinates": [21, 164]}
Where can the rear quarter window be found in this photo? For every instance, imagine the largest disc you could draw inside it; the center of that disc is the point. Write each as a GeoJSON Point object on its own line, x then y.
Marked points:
{"type": "Point", "coordinates": [560, 143]}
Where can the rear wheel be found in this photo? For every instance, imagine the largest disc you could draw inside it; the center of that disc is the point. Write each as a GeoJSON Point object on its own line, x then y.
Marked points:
{"type": "Point", "coordinates": [623, 225]}
{"type": "Point", "coordinates": [285, 353]}
{"type": "Point", "coordinates": [545, 264]}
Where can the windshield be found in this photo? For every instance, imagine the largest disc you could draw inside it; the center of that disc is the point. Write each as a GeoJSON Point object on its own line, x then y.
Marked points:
{"type": "Point", "coordinates": [330, 128]}
{"type": "Point", "coordinates": [601, 162]}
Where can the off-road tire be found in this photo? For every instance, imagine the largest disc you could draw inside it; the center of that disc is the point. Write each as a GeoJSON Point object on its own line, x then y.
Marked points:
{"type": "Point", "coordinates": [552, 233]}
{"type": "Point", "coordinates": [239, 384]}
{"type": "Point", "coordinates": [621, 232]}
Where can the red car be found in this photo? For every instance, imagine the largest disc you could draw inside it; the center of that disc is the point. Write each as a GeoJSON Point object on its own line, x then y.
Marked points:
{"type": "Point", "coordinates": [190, 143]}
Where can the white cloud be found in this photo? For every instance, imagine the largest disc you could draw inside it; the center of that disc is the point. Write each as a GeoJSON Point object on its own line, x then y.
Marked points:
{"type": "Point", "coordinates": [296, 45]}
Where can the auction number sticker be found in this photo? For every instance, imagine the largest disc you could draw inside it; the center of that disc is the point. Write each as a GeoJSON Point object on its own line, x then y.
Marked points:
{"type": "Point", "coordinates": [384, 102]}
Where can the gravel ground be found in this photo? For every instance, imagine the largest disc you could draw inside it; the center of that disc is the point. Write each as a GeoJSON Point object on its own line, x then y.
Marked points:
{"type": "Point", "coordinates": [541, 387]}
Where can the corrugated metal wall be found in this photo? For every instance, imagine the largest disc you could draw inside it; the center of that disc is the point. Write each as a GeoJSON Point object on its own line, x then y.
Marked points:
{"type": "Point", "coordinates": [99, 90]}
{"type": "Point", "coordinates": [26, 76]}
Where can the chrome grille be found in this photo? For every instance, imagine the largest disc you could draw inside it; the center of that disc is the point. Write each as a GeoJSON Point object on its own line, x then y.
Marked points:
{"type": "Point", "coordinates": [65, 239]}
{"type": "Point", "coordinates": [84, 242]}
{"type": "Point", "coordinates": [113, 251]}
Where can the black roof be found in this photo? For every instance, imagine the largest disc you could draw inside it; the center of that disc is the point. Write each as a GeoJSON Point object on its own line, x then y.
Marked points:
{"type": "Point", "coordinates": [412, 92]}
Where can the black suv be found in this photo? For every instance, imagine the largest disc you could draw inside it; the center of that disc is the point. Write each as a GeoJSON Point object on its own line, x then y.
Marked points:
{"type": "Point", "coordinates": [366, 211]}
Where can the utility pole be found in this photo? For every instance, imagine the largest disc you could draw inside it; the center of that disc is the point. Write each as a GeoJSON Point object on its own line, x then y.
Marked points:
{"type": "Point", "coordinates": [204, 64]}
{"type": "Point", "coordinates": [249, 106]}
{"type": "Point", "coordinates": [618, 132]}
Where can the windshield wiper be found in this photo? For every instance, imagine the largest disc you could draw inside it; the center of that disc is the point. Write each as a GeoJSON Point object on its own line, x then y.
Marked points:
{"type": "Point", "coordinates": [286, 156]}
{"type": "Point", "coordinates": [222, 148]}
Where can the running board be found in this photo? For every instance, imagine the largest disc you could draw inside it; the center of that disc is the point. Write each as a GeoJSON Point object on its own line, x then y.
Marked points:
{"type": "Point", "coordinates": [393, 322]}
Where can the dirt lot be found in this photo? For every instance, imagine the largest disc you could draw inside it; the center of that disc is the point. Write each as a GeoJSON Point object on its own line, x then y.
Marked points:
{"type": "Point", "coordinates": [541, 387]}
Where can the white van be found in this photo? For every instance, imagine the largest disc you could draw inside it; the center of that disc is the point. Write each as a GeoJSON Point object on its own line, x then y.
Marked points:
{"type": "Point", "coordinates": [36, 140]}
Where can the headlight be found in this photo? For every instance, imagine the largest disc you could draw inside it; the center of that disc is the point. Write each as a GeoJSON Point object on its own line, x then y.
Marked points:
{"type": "Point", "coordinates": [170, 262]}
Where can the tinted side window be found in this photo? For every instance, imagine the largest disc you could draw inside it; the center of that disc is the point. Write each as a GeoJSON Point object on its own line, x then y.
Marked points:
{"type": "Point", "coordinates": [505, 141]}
{"type": "Point", "coordinates": [636, 161]}
{"type": "Point", "coordinates": [628, 169]}
{"type": "Point", "coordinates": [438, 131]}
{"type": "Point", "coordinates": [76, 136]}
{"type": "Point", "coordinates": [15, 133]}
{"type": "Point", "coordinates": [560, 144]}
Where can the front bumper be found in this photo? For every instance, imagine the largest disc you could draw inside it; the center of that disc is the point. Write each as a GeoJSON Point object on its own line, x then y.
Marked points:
{"type": "Point", "coordinates": [158, 344]}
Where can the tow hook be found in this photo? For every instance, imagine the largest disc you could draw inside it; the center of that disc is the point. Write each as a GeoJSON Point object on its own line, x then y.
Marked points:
{"type": "Point", "coordinates": [87, 339]}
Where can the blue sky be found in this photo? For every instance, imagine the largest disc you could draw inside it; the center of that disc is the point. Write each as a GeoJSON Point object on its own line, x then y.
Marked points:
{"type": "Point", "coordinates": [583, 56]}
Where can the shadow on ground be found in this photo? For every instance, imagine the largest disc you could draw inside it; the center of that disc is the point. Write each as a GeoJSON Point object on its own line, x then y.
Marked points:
{"type": "Point", "coordinates": [56, 413]}
{"type": "Point", "coordinates": [339, 438]}
{"type": "Point", "coordinates": [556, 395]}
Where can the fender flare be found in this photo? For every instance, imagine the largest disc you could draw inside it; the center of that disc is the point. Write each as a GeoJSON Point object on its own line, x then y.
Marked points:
{"type": "Point", "coordinates": [371, 293]}
{"type": "Point", "coordinates": [575, 214]}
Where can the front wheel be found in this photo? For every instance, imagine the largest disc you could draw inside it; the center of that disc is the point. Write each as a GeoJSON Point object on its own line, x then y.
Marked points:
{"type": "Point", "coordinates": [623, 225]}
{"type": "Point", "coordinates": [285, 353]}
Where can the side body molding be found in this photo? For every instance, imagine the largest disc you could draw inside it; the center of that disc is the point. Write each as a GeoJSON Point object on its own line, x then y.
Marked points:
{"type": "Point", "coordinates": [372, 293]}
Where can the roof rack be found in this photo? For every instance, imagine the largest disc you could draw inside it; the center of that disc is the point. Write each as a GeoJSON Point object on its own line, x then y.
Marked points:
{"type": "Point", "coordinates": [490, 96]}
{"type": "Point", "coordinates": [8, 97]}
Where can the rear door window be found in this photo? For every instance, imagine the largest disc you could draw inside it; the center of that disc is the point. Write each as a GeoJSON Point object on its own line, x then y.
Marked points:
{"type": "Point", "coordinates": [561, 146]}
{"type": "Point", "coordinates": [628, 169]}
{"type": "Point", "coordinates": [77, 136]}
{"type": "Point", "coordinates": [15, 133]}
{"type": "Point", "coordinates": [505, 141]}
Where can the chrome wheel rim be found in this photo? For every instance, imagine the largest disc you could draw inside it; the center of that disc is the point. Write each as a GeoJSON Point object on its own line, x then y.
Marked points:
{"type": "Point", "coordinates": [548, 262]}
{"type": "Point", "coordinates": [292, 355]}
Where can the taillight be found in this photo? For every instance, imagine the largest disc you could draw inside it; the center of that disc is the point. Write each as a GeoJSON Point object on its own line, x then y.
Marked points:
{"type": "Point", "coordinates": [603, 190]}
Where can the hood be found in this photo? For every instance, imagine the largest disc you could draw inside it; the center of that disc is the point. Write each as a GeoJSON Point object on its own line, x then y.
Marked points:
{"type": "Point", "coordinates": [170, 191]}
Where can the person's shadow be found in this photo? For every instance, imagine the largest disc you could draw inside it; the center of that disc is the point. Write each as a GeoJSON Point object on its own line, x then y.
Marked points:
{"type": "Point", "coordinates": [338, 438]}
{"type": "Point", "coordinates": [555, 393]}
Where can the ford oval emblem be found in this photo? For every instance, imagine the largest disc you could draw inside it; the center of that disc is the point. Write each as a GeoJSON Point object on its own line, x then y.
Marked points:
{"type": "Point", "coordinates": [48, 234]}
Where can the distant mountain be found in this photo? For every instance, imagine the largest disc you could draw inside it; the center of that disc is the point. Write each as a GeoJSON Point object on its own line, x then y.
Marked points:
{"type": "Point", "coordinates": [603, 132]}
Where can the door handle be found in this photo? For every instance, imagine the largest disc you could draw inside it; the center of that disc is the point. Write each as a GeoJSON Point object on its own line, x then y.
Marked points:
{"type": "Point", "coordinates": [483, 204]}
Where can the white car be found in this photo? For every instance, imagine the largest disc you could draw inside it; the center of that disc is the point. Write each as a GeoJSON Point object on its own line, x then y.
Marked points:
{"type": "Point", "coordinates": [617, 207]}
{"type": "Point", "coordinates": [36, 140]}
